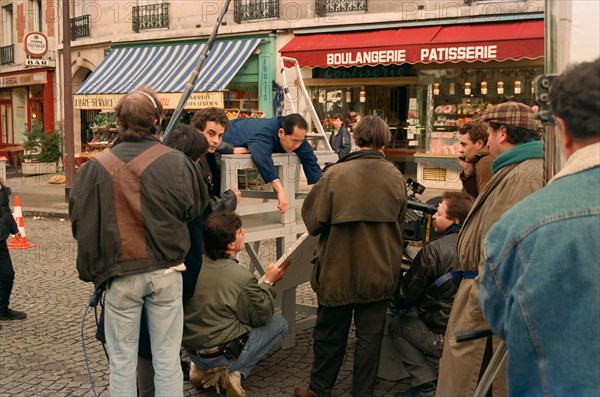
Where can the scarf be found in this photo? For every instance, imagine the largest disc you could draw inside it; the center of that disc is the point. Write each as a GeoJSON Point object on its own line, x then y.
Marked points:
{"type": "Point", "coordinates": [519, 153]}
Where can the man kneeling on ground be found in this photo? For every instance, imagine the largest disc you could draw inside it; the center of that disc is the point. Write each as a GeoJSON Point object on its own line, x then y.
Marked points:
{"type": "Point", "coordinates": [424, 297]}
{"type": "Point", "coordinates": [229, 322]}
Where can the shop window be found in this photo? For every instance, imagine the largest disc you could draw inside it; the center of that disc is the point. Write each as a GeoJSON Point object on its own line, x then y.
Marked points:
{"type": "Point", "coordinates": [248, 10]}
{"type": "Point", "coordinates": [241, 100]}
{"type": "Point", "coordinates": [327, 7]}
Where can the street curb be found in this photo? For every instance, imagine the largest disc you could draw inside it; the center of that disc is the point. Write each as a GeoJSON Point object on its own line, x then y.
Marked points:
{"type": "Point", "coordinates": [46, 213]}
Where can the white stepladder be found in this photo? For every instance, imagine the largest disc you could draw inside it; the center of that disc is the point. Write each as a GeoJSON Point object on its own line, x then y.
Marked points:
{"type": "Point", "coordinates": [262, 221]}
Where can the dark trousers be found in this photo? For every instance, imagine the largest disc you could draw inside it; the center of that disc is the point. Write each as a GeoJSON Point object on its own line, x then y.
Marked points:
{"type": "Point", "coordinates": [330, 339]}
{"type": "Point", "coordinates": [415, 343]}
{"type": "Point", "coordinates": [7, 276]}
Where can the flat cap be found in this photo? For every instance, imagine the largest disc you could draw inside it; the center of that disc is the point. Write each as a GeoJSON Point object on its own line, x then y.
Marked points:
{"type": "Point", "coordinates": [511, 113]}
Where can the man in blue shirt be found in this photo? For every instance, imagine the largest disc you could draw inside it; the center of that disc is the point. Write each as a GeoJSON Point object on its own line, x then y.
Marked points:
{"type": "Point", "coordinates": [263, 137]}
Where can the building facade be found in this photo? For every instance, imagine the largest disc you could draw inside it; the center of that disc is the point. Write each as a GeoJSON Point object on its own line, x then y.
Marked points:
{"type": "Point", "coordinates": [425, 66]}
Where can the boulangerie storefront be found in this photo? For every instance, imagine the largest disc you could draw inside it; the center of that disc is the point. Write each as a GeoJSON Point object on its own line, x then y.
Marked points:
{"type": "Point", "coordinates": [424, 81]}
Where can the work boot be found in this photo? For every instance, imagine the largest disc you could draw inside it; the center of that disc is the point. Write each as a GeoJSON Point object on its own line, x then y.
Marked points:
{"type": "Point", "coordinates": [10, 314]}
{"type": "Point", "coordinates": [299, 392]}
{"type": "Point", "coordinates": [234, 385]}
{"type": "Point", "coordinates": [197, 376]}
{"type": "Point", "coordinates": [424, 390]}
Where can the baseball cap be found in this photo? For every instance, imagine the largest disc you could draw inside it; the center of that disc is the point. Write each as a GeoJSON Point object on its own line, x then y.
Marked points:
{"type": "Point", "coordinates": [511, 113]}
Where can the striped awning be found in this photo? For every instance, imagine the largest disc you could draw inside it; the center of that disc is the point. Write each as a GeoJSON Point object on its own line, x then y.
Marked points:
{"type": "Point", "coordinates": [167, 68]}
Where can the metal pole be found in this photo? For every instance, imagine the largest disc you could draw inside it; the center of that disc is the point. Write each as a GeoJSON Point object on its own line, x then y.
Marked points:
{"type": "Point", "coordinates": [194, 76]}
{"type": "Point", "coordinates": [492, 369]}
{"type": "Point", "coordinates": [69, 155]}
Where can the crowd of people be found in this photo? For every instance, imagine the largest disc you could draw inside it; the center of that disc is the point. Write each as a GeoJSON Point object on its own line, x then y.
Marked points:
{"type": "Point", "coordinates": [159, 236]}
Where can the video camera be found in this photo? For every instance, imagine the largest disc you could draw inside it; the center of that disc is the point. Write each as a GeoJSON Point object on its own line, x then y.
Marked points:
{"type": "Point", "coordinates": [417, 221]}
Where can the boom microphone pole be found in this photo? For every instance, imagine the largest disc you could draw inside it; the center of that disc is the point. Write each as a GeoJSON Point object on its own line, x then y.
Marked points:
{"type": "Point", "coordinates": [185, 95]}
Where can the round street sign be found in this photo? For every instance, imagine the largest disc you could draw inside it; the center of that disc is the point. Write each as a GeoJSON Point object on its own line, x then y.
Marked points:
{"type": "Point", "coordinates": [36, 44]}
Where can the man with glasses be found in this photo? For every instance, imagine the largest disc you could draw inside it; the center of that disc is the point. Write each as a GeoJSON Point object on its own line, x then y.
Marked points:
{"type": "Point", "coordinates": [263, 137]}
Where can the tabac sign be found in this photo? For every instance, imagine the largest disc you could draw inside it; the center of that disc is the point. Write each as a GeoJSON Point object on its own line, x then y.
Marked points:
{"type": "Point", "coordinates": [35, 44]}
{"type": "Point", "coordinates": [197, 100]}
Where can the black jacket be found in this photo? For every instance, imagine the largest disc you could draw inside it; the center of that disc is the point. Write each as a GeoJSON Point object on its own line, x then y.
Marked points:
{"type": "Point", "coordinates": [417, 289]}
{"type": "Point", "coordinates": [8, 225]}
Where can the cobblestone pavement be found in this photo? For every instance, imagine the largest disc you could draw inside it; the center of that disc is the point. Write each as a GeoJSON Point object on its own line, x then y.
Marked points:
{"type": "Point", "coordinates": [42, 355]}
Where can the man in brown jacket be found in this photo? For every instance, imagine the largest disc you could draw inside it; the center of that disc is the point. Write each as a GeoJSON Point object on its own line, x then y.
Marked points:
{"type": "Point", "coordinates": [359, 256]}
{"type": "Point", "coordinates": [518, 171]}
{"type": "Point", "coordinates": [474, 157]}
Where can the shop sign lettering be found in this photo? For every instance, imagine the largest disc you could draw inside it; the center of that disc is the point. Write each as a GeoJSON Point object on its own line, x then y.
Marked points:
{"type": "Point", "coordinates": [197, 100]}
{"type": "Point", "coordinates": [365, 72]}
{"type": "Point", "coordinates": [413, 55]}
{"type": "Point", "coordinates": [366, 57]}
{"type": "Point", "coordinates": [18, 80]}
{"type": "Point", "coordinates": [469, 53]}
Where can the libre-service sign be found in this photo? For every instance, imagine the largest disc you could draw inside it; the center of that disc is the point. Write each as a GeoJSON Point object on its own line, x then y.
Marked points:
{"type": "Point", "coordinates": [197, 100]}
{"type": "Point", "coordinates": [35, 44]}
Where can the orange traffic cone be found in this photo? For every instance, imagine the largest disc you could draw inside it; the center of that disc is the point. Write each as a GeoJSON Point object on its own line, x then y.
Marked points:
{"type": "Point", "coordinates": [18, 215]}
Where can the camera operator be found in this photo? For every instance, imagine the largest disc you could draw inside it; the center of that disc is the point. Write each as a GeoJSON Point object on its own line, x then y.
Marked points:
{"type": "Point", "coordinates": [424, 297]}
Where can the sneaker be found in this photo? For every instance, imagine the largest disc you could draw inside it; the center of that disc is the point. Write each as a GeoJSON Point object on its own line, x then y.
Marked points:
{"type": "Point", "coordinates": [10, 314]}
{"type": "Point", "coordinates": [197, 376]}
{"type": "Point", "coordinates": [234, 385]}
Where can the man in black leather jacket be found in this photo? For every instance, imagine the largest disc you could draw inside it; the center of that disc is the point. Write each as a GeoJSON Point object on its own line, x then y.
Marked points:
{"type": "Point", "coordinates": [424, 297]}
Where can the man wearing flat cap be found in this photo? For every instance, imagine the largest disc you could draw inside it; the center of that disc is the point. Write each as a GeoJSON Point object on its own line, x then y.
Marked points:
{"type": "Point", "coordinates": [514, 142]}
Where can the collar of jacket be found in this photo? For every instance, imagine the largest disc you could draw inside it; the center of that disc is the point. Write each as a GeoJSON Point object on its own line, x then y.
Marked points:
{"type": "Point", "coordinates": [363, 153]}
{"type": "Point", "coordinates": [453, 228]}
{"type": "Point", "coordinates": [519, 153]}
{"type": "Point", "coordinates": [583, 159]}
{"type": "Point", "coordinates": [482, 153]}
{"type": "Point", "coordinates": [148, 137]}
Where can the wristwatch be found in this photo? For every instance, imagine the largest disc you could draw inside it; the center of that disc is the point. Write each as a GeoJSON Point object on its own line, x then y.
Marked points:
{"type": "Point", "coordinates": [269, 282]}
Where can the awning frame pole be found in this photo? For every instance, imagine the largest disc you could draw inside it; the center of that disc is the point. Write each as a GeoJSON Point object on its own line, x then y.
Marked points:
{"type": "Point", "coordinates": [309, 105]}
{"type": "Point", "coordinates": [185, 95]}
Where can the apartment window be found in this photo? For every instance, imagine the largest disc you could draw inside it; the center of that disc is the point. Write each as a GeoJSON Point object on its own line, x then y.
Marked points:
{"type": "Point", "coordinates": [150, 16]}
{"type": "Point", "coordinates": [248, 10]}
{"type": "Point", "coordinates": [8, 25]}
{"type": "Point", "coordinates": [35, 15]}
{"type": "Point", "coordinates": [327, 7]}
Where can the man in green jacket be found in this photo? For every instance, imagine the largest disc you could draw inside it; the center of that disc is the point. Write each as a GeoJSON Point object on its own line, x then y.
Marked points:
{"type": "Point", "coordinates": [359, 255]}
{"type": "Point", "coordinates": [230, 310]}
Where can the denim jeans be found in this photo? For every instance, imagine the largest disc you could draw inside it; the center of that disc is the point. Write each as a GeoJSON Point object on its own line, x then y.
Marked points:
{"type": "Point", "coordinates": [260, 341]}
{"type": "Point", "coordinates": [160, 291]}
{"type": "Point", "coordinates": [413, 342]}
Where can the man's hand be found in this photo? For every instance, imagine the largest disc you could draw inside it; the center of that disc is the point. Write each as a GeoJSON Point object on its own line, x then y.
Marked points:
{"type": "Point", "coordinates": [467, 167]}
{"type": "Point", "coordinates": [282, 201]}
{"type": "Point", "coordinates": [275, 273]}
{"type": "Point", "coordinates": [18, 236]}
{"type": "Point", "coordinates": [237, 193]}
{"type": "Point", "coordinates": [240, 150]}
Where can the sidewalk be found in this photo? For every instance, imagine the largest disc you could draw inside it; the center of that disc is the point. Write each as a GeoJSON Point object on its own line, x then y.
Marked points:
{"type": "Point", "coordinates": [38, 197]}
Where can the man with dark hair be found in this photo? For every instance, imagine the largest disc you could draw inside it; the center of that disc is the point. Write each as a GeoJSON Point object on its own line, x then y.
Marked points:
{"type": "Point", "coordinates": [358, 258]}
{"type": "Point", "coordinates": [129, 208]}
{"type": "Point", "coordinates": [424, 297]}
{"type": "Point", "coordinates": [263, 137]}
{"type": "Point", "coordinates": [541, 284]}
{"type": "Point", "coordinates": [211, 123]}
{"type": "Point", "coordinates": [340, 137]}
{"type": "Point", "coordinates": [473, 157]}
{"type": "Point", "coordinates": [229, 322]}
{"type": "Point", "coordinates": [518, 171]}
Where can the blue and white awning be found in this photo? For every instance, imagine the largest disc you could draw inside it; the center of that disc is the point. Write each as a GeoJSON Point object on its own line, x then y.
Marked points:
{"type": "Point", "coordinates": [167, 68]}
